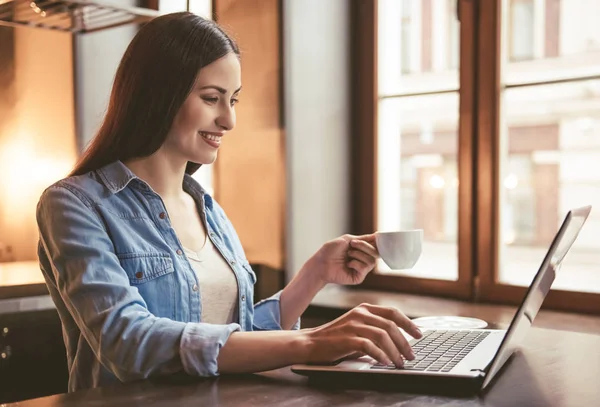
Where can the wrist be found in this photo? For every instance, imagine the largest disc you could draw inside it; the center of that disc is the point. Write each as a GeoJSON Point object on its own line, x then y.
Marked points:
{"type": "Point", "coordinates": [304, 344]}
{"type": "Point", "coordinates": [314, 272]}
{"type": "Point", "coordinates": [298, 294]}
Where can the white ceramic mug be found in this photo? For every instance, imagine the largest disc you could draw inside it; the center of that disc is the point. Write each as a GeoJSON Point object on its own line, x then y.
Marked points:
{"type": "Point", "coordinates": [400, 250]}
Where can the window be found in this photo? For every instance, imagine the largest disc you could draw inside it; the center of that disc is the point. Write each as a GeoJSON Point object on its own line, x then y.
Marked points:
{"type": "Point", "coordinates": [522, 34]}
{"type": "Point", "coordinates": [549, 146]}
{"type": "Point", "coordinates": [405, 37]}
{"type": "Point", "coordinates": [485, 152]}
{"type": "Point", "coordinates": [453, 34]}
{"type": "Point", "coordinates": [416, 153]}
{"type": "Point", "coordinates": [418, 137]}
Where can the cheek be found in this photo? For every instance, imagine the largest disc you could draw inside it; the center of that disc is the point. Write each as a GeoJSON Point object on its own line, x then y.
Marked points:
{"type": "Point", "coordinates": [182, 129]}
{"type": "Point", "coordinates": [193, 115]}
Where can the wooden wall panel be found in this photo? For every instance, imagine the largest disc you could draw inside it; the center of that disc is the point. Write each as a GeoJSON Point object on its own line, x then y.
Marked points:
{"type": "Point", "coordinates": [250, 169]}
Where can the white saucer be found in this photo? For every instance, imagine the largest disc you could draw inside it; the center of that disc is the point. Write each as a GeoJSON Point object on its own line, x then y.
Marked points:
{"type": "Point", "coordinates": [449, 322]}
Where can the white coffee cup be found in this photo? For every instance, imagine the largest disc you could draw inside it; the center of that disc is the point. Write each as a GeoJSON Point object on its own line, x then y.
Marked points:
{"type": "Point", "coordinates": [401, 249]}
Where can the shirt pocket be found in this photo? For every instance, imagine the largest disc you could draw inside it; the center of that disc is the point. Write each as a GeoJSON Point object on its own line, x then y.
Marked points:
{"type": "Point", "coordinates": [144, 267]}
{"type": "Point", "coordinates": [153, 276]}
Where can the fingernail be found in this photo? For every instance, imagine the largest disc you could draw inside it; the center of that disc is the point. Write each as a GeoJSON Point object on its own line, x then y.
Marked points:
{"type": "Point", "coordinates": [411, 355]}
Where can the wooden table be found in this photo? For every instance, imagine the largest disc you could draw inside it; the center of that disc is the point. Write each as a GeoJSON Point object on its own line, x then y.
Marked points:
{"type": "Point", "coordinates": [554, 368]}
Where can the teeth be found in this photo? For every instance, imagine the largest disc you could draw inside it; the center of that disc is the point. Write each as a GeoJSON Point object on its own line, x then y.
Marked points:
{"type": "Point", "coordinates": [210, 137]}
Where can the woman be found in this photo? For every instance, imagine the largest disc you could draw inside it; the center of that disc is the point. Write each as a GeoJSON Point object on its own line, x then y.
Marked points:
{"type": "Point", "coordinates": [145, 269]}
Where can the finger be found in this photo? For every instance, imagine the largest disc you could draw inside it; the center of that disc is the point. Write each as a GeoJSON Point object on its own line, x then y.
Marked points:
{"type": "Point", "coordinates": [366, 238]}
{"type": "Point", "coordinates": [383, 340]}
{"type": "Point", "coordinates": [390, 327]}
{"type": "Point", "coordinates": [399, 341]}
{"type": "Point", "coordinates": [355, 355]}
{"type": "Point", "coordinates": [362, 256]}
{"type": "Point", "coordinates": [393, 314]}
{"type": "Point", "coordinates": [360, 267]}
{"type": "Point", "coordinates": [367, 347]}
{"type": "Point", "coordinates": [365, 247]}
{"type": "Point", "coordinates": [352, 356]}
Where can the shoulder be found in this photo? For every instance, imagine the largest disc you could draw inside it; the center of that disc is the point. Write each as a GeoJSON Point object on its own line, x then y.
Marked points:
{"type": "Point", "coordinates": [86, 188]}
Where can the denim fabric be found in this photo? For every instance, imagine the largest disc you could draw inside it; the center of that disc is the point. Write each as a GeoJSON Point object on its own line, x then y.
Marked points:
{"type": "Point", "coordinates": [126, 294]}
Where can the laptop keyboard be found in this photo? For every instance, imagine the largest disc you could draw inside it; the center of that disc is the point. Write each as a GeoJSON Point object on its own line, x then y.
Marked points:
{"type": "Point", "coordinates": [439, 351]}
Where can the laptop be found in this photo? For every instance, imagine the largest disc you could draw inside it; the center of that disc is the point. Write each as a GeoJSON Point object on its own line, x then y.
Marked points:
{"type": "Point", "coordinates": [474, 354]}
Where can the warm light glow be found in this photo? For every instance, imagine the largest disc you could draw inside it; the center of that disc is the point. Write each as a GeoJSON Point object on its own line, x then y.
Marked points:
{"type": "Point", "coordinates": [437, 182]}
{"type": "Point", "coordinates": [26, 173]}
{"type": "Point", "coordinates": [37, 137]}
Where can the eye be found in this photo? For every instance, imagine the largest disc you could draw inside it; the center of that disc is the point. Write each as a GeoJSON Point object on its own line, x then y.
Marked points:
{"type": "Point", "coordinates": [234, 101]}
{"type": "Point", "coordinates": [210, 99]}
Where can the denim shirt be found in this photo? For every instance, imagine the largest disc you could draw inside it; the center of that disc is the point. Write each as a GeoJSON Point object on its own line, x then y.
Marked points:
{"type": "Point", "coordinates": [127, 296]}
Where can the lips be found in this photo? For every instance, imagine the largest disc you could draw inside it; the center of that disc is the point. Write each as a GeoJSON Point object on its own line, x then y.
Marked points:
{"type": "Point", "coordinates": [211, 136]}
{"type": "Point", "coordinates": [212, 139]}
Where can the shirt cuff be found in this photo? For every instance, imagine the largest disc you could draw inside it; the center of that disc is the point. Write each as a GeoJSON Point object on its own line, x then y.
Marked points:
{"type": "Point", "coordinates": [267, 315]}
{"type": "Point", "coordinates": [200, 346]}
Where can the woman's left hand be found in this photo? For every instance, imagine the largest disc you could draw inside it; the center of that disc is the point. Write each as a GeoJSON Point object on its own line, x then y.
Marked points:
{"type": "Point", "coordinates": [346, 260]}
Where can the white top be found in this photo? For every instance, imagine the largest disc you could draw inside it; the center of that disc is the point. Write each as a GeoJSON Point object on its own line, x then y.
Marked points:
{"type": "Point", "coordinates": [218, 285]}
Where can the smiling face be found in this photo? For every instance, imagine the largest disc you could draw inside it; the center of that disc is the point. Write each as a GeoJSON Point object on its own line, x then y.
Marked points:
{"type": "Point", "coordinates": [207, 113]}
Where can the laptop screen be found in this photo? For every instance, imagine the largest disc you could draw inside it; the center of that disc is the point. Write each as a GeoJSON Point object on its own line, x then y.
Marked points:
{"type": "Point", "coordinates": [539, 288]}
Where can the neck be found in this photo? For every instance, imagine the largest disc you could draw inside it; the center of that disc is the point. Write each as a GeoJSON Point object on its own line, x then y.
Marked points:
{"type": "Point", "coordinates": [163, 174]}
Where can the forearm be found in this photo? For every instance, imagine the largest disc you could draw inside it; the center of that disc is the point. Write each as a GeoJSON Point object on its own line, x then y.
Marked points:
{"type": "Point", "coordinates": [298, 294]}
{"type": "Point", "coordinates": [248, 352]}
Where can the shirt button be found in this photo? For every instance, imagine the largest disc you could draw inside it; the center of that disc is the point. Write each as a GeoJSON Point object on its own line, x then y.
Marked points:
{"type": "Point", "coordinates": [243, 298]}
{"type": "Point", "coordinates": [212, 235]}
{"type": "Point", "coordinates": [179, 252]}
{"type": "Point", "coordinates": [139, 274]}
{"type": "Point", "coordinates": [195, 287]}
{"type": "Point", "coordinates": [162, 215]}
{"type": "Point", "coordinates": [232, 262]}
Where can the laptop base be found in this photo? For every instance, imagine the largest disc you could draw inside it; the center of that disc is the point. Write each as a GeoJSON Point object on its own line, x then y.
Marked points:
{"type": "Point", "coordinates": [442, 385]}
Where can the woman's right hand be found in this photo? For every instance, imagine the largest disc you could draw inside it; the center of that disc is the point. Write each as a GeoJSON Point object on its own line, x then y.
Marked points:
{"type": "Point", "coordinates": [367, 329]}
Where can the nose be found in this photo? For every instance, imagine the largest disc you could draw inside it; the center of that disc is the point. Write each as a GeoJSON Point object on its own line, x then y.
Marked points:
{"type": "Point", "coordinates": [226, 118]}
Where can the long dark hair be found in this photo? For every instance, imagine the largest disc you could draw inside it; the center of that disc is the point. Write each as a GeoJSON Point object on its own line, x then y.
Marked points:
{"type": "Point", "coordinates": [155, 76]}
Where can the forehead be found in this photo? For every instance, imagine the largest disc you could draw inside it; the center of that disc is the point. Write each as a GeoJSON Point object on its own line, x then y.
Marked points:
{"type": "Point", "coordinates": [225, 72]}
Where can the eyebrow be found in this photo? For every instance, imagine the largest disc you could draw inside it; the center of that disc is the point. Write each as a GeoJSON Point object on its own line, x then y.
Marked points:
{"type": "Point", "coordinates": [219, 89]}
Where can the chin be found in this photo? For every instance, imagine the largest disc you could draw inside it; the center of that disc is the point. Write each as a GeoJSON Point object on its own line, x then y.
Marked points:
{"type": "Point", "coordinates": [204, 159]}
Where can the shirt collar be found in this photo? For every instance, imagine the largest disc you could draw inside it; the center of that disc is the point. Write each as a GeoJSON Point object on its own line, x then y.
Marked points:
{"type": "Point", "coordinates": [116, 176]}
{"type": "Point", "coordinates": [192, 187]}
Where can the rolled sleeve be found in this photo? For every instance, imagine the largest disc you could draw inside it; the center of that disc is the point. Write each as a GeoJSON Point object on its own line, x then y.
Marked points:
{"type": "Point", "coordinates": [267, 315]}
{"type": "Point", "coordinates": [200, 346]}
